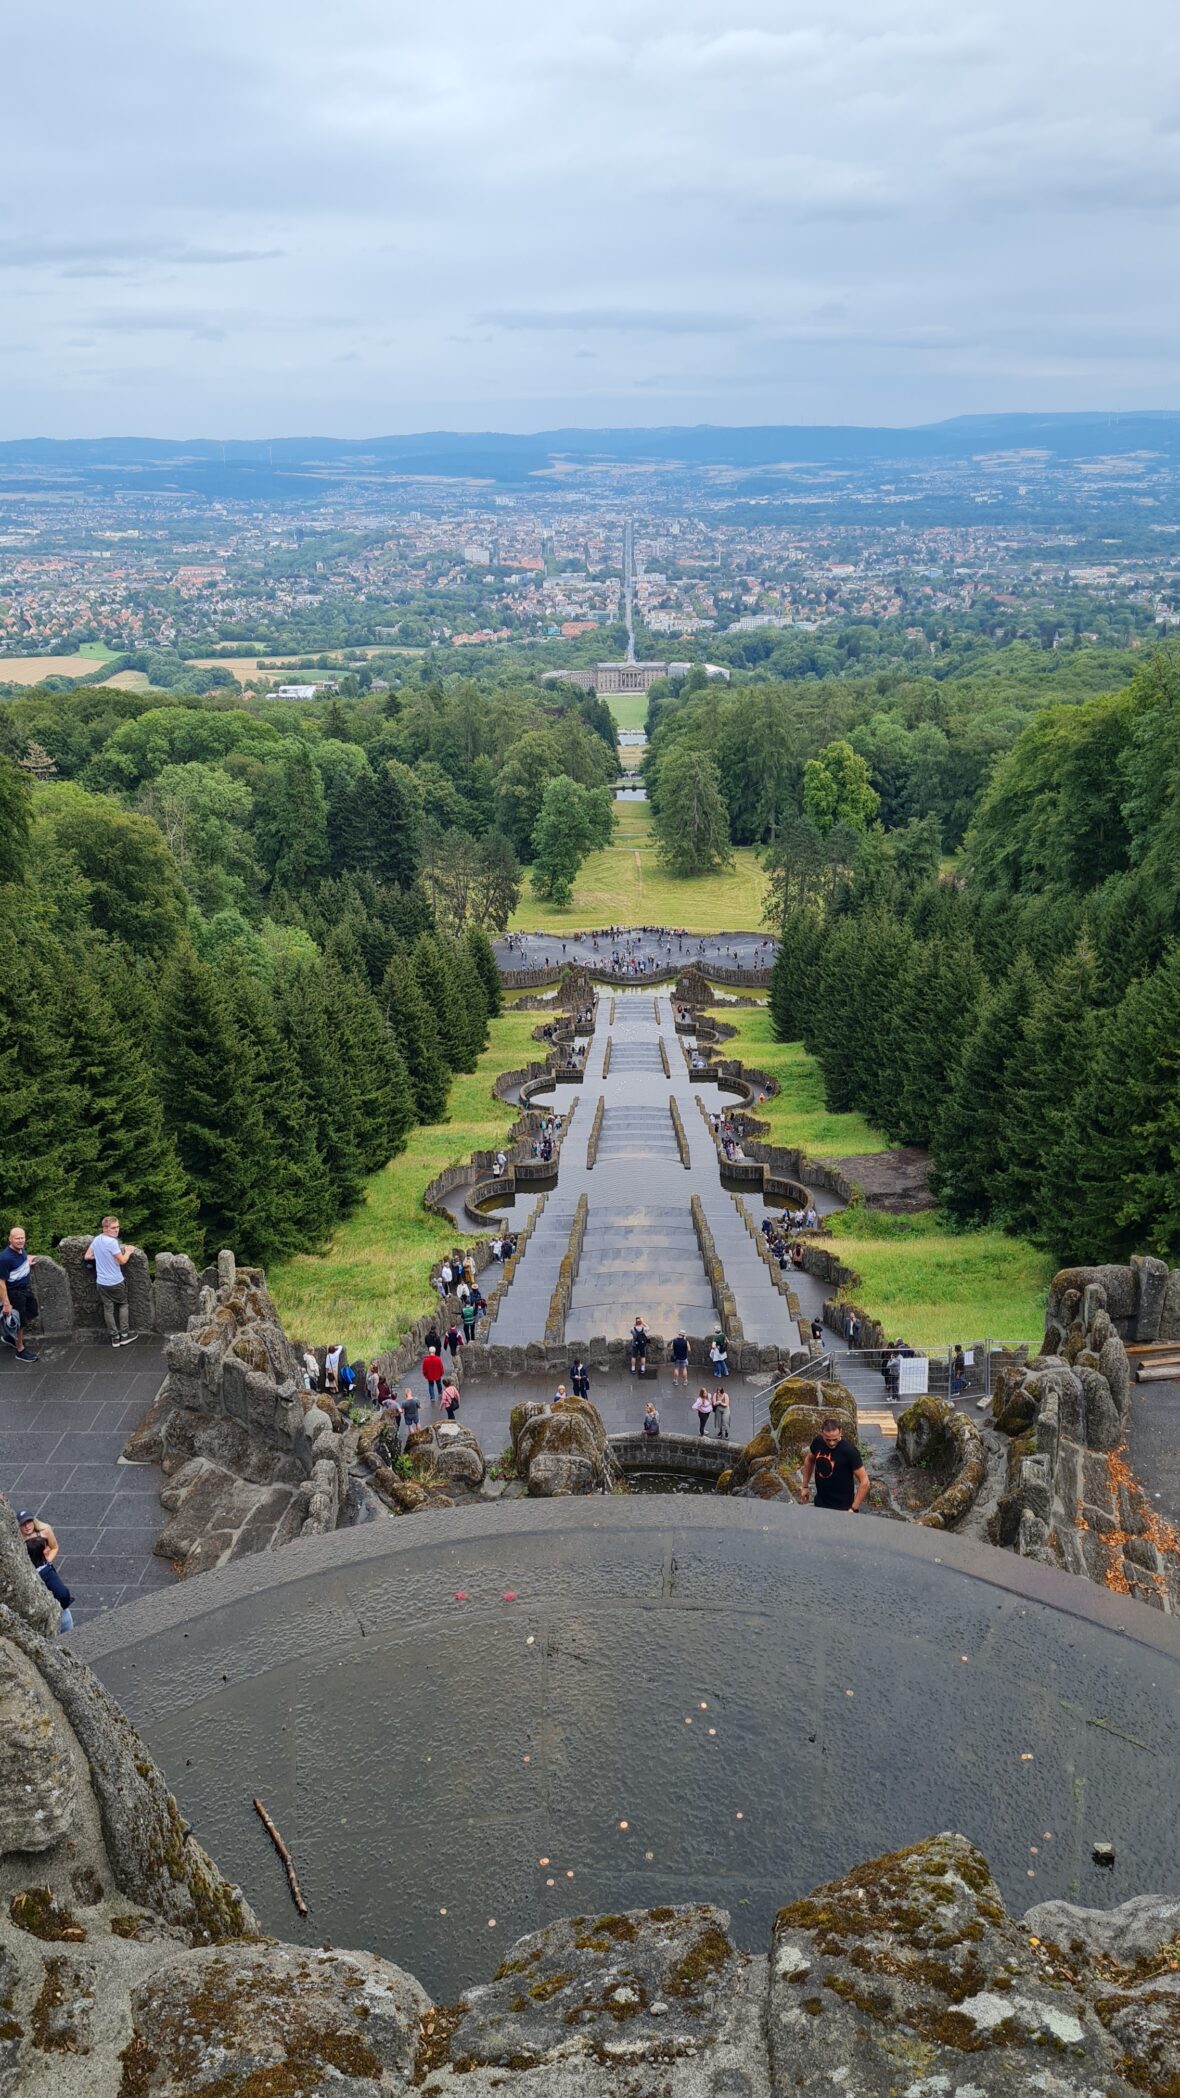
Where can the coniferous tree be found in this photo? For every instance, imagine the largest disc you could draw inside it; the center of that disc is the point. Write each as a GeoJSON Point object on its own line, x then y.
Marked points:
{"type": "Point", "coordinates": [211, 1103]}
{"type": "Point", "coordinates": [431, 967]}
{"type": "Point", "coordinates": [371, 1067]}
{"type": "Point", "coordinates": [45, 1140]}
{"type": "Point", "coordinates": [311, 1032]}
{"type": "Point", "coordinates": [967, 1135]}
{"type": "Point", "coordinates": [1125, 1155]}
{"type": "Point", "coordinates": [416, 1034]}
{"type": "Point", "coordinates": [482, 953]}
{"type": "Point", "coordinates": [130, 1163]}
{"type": "Point", "coordinates": [937, 1010]}
{"type": "Point", "coordinates": [396, 833]}
{"type": "Point", "coordinates": [1057, 1050]}
{"type": "Point", "coordinates": [796, 972]}
{"type": "Point", "coordinates": [291, 1207]}
{"type": "Point", "coordinates": [473, 1002]}
{"type": "Point", "coordinates": [16, 821]}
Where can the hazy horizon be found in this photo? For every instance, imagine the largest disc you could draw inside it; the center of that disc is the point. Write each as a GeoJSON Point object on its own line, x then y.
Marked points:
{"type": "Point", "coordinates": [637, 215]}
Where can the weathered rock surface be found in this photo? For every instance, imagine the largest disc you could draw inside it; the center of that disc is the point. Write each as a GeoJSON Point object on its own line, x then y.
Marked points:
{"type": "Point", "coordinates": [129, 1968]}
{"type": "Point", "coordinates": [932, 1434]}
{"type": "Point", "coordinates": [561, 1448]}
{"type": "Point", "coordinates": [252, 1460]}
{"type": "Point", "coordinates": [909, 1976]}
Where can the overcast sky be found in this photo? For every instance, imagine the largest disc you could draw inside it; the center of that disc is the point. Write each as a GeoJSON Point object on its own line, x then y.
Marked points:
{"type": "Point", "coordinates": [252, 217]}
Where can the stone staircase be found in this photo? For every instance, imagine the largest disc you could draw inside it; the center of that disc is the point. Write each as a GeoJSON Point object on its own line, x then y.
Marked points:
{"type": "Point", "coordinates": [640, 1260]}
{"type": "Point", "coordinates": [524, 1308]}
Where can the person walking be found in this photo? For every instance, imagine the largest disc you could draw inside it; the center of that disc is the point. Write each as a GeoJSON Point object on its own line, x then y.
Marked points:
{"type": "Point", "coordinates": [470, 1316]}
{"type": "Point", "coordinates": [18, 1305]}
{"type": "Point", "coordinates": [42, 1547]}
{"type": "Point", "coordinates": [680, 1360]}
{"type": "Point", "coordinates": [702, 1406]}
{"type": "Point", "coordinates": [721, 1412]}
{"type": "Point", "coordinates": [450, 1400]}
{"type": "Point", "coordinates": [719, 1356]}
{"type": "Point", "coordinates": [453, 1341]}
{"type": "Point", "coordinates": [651, 1421]}
{"type": "Point", "coordinates": [372, 1383]}
{"type": "Point", "coordinates": [841, 1480]}
{"type": "Point", "coordinates": [411, 1410]}
{"type": "Point", "coordinates": [958, 1371]}
{"type": "Point", "coordinates": [434, 1370]}
{"type": "Point", "coordinates": [109, 1259]}
{"type": "Point", "coordinates": [639, 1347]}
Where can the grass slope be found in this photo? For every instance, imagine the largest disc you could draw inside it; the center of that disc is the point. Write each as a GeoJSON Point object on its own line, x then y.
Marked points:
{"type": "Point", "coordinates": [625, 885]}
{"type": "Point", "coordinates": [920, 1279]}
{"type": "Point", "coordinates": [373, 1278]}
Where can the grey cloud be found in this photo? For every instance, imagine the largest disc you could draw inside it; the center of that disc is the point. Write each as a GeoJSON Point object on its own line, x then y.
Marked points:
{"type": "Point", "coordinates": [870, 209]}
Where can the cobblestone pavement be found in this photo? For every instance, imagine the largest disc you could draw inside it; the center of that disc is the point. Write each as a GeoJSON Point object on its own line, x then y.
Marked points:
{"type": "Point", "coordinates": [63, 1424]}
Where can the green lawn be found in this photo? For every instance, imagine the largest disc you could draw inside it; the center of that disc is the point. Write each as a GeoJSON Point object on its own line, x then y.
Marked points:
{"type": "Point", "coordinates": [628, 708]}
{"type": "Point", "coordinates": [625, 885]}
{"type": "Point", "coordinates": [933, 1285]}
{"type": "Point", "coordinates": [373, 1279]}
{"type": "Point", "coordinates": [98, 650]}
{"type": "Point", "coordinates": [797, 1114]}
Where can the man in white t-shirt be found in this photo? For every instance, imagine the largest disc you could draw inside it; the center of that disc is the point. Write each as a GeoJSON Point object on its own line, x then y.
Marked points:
{"type": "Point", "coordinates": [110, 1259]}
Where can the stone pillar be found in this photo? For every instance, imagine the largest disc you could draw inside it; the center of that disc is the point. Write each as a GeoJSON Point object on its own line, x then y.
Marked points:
{"type": "Point", "coordinates": [84, 1297]}
{"type": "Point", "coordinates": [51, 1287]}
{"type": "Point", "coordinates": [1151, 1277]}
{"type": "Point", "coordinates": [177, 1291]}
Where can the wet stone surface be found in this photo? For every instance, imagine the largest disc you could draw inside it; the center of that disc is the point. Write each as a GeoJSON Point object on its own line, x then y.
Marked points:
{"type": "Point", "coordinates": [612, 1704]}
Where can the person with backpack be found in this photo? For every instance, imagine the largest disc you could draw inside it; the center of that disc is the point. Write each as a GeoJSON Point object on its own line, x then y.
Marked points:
{"type": "Point", "coordinates": [719, 1356]}
{"type": "Point", "coordinates": [680, 1360]}
{"type": "Point", "coordinates": [18, 1305]}
{"type": "Point", "coordinates": [651, 1421]}
{"type": "Point", "coordinates": [453, 1341]}
{"type": "Point", "coordinates": [639, 1347]}
{"type": "Point", "coordinates": [450, 1400]}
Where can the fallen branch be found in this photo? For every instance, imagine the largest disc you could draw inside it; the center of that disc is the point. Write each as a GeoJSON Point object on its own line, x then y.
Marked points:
{"type": "Point", "coordinates": [285, 1855]}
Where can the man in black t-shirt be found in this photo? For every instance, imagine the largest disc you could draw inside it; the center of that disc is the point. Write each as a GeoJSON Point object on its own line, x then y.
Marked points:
{"type": "Point", "coordinates": [838, 1468]}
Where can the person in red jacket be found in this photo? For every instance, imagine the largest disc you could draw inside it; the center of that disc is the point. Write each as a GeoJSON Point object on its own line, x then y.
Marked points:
{"type": "Point", "coordinates": [434, 1370]}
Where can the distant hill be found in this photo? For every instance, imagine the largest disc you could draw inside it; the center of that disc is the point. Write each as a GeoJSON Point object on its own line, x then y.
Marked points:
{"type": "Point", "coordinates": [296, 466]}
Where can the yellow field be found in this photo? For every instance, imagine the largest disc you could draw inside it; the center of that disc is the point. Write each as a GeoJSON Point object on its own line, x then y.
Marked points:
{"type": "Point", "coordinates": [29, 670]}
{"type": "Point", "coordinates": [247, 666]}
{"type": "Point", "coordinates": [625, 885]}
{"type": "Point", "coordinates": [129, 681]}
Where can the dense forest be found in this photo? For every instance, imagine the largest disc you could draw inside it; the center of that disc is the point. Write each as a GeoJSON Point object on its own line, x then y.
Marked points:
{"type": "Point", "coordinates": [249, 946]}
{"type": "Point", "coordinates": [1021, 1013]}
{"type": "Point", "coordinates": [929, 735]}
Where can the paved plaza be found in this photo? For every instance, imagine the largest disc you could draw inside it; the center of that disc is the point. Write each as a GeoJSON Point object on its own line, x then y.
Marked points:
{"type": "Point", "coordinates": [662, 946]}
{"type": "Point", "coordinates": [63, 1424]}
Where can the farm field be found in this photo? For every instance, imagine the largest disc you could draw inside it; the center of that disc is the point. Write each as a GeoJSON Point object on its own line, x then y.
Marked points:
{"type": "Point", "coordinates": [29, 670]}
{"type": "Point", "coordinates": [625, 885]}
